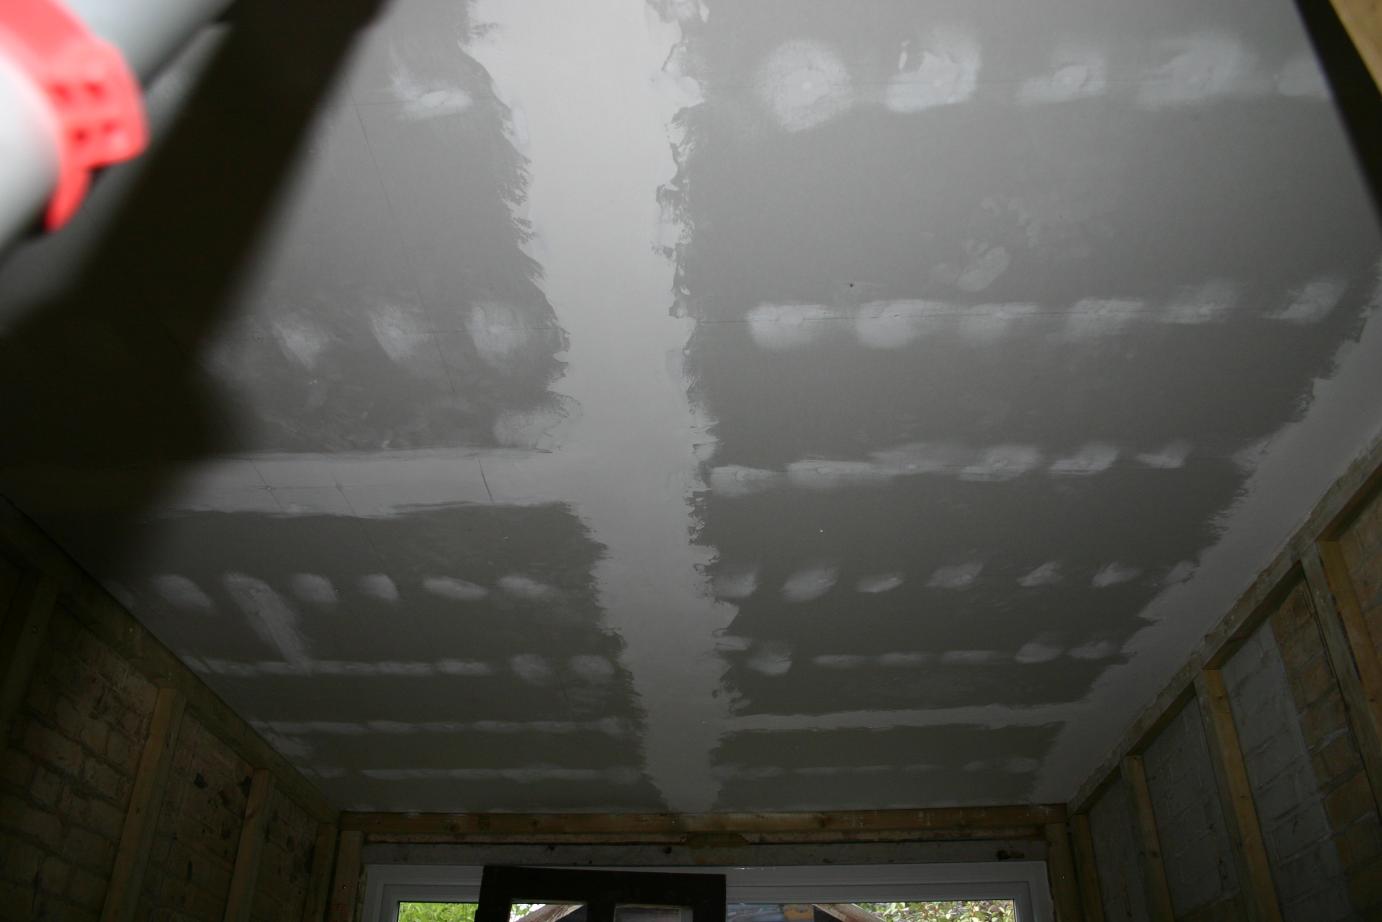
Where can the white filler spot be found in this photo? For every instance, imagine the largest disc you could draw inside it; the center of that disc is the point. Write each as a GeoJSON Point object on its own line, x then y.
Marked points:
{"type": "Point", "coordinates": [803, 84]}
{"type": "Point", "coordinates": [881, 582]}
{"type": "Point", "coordinates": [810, 584]}
{"type": "Point", "coordinates": [736, 584]}
{"type": "Point", "coordinates": [590, 668]}
{"type": "Point", "coordinates": [1302, 78]}
{"type": "Point", "coordinates": [457, 590]}
{"type": "Point", "coordinates": [425, 99]}
{"type": "Point", "coordinates": [525, 587]}
{"type": "Point", "coordinates": [895, 324]}
{"type": "Point", "coordinates": [1113, 574]}
{"type": "Point", "coordinates": [1169, 457]}
{"type": "Point", "coordinates": [946, 73]}
{"type": "Point", "coordinates": [1312, 302]}
{"type": "Point", "coordinates": [1094, 458]}
{"type": "Point", "coordinates": [310, 587]}
{"type": "Point", "coordinates": [182, 592]}
{"type": "Point", "coordinates": [497, 331]}
{"type": "Point", "coordinates": [1048, 574]}
{"type": "Point", "coordinates": [734, 480]}
{"type": "Point", "coordinates": [771, 659]}
{"type": "Point", "coordinates": [1037, 652]}
{"type": "Point", "coordinates": [379, 586]}
{"type": "Point", "coordinates": [1207, 303]}
{"type": "Point", "coordinates": [531, 668]}
{"type": "Point", "coordinates": [1075, 74]}
{"type": "Point", "coordinates": [958, 576]}
{"type": "Point", "coordinates": [1199, 68]}
{"type": "Point", "coordinates": [779, 327]}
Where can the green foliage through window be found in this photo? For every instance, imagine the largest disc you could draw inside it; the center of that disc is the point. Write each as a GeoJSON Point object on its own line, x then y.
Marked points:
{"type": "Point", "coordinates": [436, 912]}
{"type": "Point", "coordinates": [945, 911]}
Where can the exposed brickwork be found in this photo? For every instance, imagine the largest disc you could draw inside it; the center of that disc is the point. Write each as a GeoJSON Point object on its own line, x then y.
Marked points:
{"type": "Point", "coordinates": [1190, 823]}
{"type": "Point", "coordinates": [1306, 865]}
{"type": "Point", "coordinates": [67, 772]}
{"type": "Point", "coordinates": [66, 775]}
{"type": "Point", "coordinates": [198, 832]}
{"type": "Point", "coordinates": [285, 868]}
{"type": "Point", "coordinates": [1112, 826]}
{"type": "Point", "coordinates": [1334, 755]}
{"type": "Point", "coordinates": [1361, 545]}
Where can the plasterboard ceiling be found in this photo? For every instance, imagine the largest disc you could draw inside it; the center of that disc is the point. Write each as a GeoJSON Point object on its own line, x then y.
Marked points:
{"type": "Point", "coordinates": [702, 406]}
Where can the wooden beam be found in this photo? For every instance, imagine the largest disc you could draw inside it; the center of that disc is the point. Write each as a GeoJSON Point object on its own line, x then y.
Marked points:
{"type": "Point", "coordinates": [894, 825]}
{"type": "Point", "coordinates": [141, 818]}
{"type": "Point", "coordinates": [1235, 794]}
{"type": "Point", "coordinates": [1351, 651]}
{"type": "Point", "coordinates": [240, 900]}
{"type": "Point", "coordinates": [1086, 864]}
{"type": "Point", "coordinates": [1149, 840]}
{"type": "Point", "coordinates": [1362, 20]}
{"type": "Point", "coordinates": [345, 884]}
{"type": "Point", "coordinates": [21, 638]}
{"type": "Point", "coordinates": [319, 885]}
{"type": "Point", "coordinates": [1340, 502]}
{"type": "Point", "coordinates": [1060, 868]}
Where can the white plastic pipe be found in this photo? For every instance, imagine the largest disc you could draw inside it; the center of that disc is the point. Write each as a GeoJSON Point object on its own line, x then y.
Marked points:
{"type": "Point", "coordinates": [147, 32]}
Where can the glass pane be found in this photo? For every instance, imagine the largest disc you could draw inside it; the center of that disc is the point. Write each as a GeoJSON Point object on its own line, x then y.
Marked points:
{"type": "Point", "coordinates": [546, 912]}
{"type": "Point", "coordinates": [924, 911]}
{"type": "Point", "coordinates": [436, 912]}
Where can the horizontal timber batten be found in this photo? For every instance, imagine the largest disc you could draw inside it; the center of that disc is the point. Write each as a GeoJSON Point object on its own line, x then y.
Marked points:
{"type": "Point", "coordinates": [709, 828]}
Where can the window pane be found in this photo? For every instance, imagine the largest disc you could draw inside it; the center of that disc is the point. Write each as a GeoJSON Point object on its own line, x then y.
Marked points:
{"type": "Point", "coordinates": [926, 911]}
{"type": "Point", "coordinates": [546, 912]}
{"type": "Point", "coordinates": [436, 912]}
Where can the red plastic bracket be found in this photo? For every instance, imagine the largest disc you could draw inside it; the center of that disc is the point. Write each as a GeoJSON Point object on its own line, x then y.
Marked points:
{"type": "Point", "coordinates": [95, 99]}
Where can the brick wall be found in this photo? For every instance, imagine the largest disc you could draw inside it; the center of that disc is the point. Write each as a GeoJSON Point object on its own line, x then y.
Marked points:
{"type": "Point", "coordinates": [287, 863]}
{"type": "Point", "coordinates": [1112, 825]}
{"type": "Point", "coordinates": [1190, 822]}
{"type": "Point", "coordinates": [67, 769]}
{"type": "Point", "coordinates": [1306, 868]}
{"type": "Point", "coordinates": [1361, 547]}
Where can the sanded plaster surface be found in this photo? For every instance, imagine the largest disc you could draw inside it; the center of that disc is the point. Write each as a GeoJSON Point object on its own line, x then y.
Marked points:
{"type": "Point", "coordinates": [697, 406]}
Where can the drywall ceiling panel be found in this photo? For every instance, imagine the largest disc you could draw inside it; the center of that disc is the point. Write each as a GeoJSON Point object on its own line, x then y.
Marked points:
{"type": "Point", "coordinates": [702, 405]}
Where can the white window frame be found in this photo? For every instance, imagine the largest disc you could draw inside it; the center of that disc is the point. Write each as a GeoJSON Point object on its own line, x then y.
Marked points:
{"type": "Point", "coordinates": [1023, 882]}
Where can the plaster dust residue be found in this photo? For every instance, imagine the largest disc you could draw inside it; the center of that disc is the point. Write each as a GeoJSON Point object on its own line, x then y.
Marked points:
{"type": "Point", "coordinates": [587, 81]}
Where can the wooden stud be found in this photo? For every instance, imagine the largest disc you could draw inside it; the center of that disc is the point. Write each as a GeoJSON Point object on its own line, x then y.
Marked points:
{"type": "Point", "coordinates": [1338, 505]}
{"type": "Point", "coordinates": [959, 822]}
{"type": "Point", "coordinates": [1362, 20]}
{"type": "Point", "coordinates": [240, 900]}
{"type": "Point", "coordinates": [346, 882]}
{"type": "Point", "coordinates": [1060, 868]}
{"type": "Point", "coordinates": [1235, 794]}
{"type": "Point", "coordinates": [21, 638]}
{"type": "Point", "coordinates": [1149, 840]}
{"type": "Point", "coordinates": [146, 798]}
{"type": "Point", "coordinates": [1086, 864]}
{"type": "Point", "coordinates": [1351, 651]}
{"type": "Point", "coordinates": [319, 885]}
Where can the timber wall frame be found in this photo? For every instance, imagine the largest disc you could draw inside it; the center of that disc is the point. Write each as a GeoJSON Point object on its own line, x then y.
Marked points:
{"type": "Point", "coordinates": [48, 580]}
{"type": "Point", "coordinates": [1312, 557]}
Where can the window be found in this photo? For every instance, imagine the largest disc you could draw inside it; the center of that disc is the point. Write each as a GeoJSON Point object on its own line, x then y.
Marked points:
{"type": "Point", "coordinates": [893, 893]}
